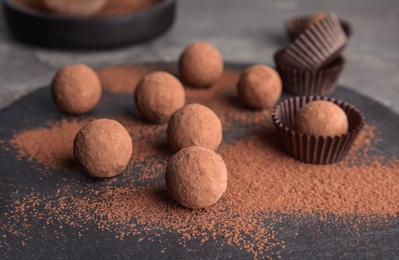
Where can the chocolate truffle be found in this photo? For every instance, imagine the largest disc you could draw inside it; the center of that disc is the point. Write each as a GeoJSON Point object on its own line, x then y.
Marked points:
{"type": "Point", "coordinates": [76, 8]}
{"type": "Point", "coordinates": [315, 18]}
{"type": "Point", "coordinates": [76, 89]}
{"type": "Point", "coordinates": [158, 95]}
{"type": "Point", "coordinates": [259, 87]}
{"type": "Point", "coordinates": [196, 177]}
{"type": "Point", "coordinates": [200, 64]}
{"type": "Point", "coordinates": [322, 118]}
{"type": "Point", "coordinates": [194, 125]}
{"type": "Point", "coordinates": [103, 148]}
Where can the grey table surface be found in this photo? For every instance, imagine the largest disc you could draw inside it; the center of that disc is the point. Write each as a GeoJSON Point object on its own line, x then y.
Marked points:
{"type": "Point", "coordinates": [245, 31]}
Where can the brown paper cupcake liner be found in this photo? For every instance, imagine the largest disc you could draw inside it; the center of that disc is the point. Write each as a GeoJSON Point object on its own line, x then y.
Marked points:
{"type": "Point", "coordinates": [295, 26]}
{"type": "Point", "coordinates": [319, 44]}
{"type": "Point", "coordinates": [321, 82]}
{"type": "Point", "coordinates": [309, 148]}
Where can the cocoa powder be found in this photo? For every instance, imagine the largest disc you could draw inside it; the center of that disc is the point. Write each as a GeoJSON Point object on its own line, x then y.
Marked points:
{"type": "Point", "coordinates": [121, 79]}
{"type": "Point", "coordinates": [263, 182]}
{"type": "Point", "coordinates": [52, 147]}
{"type": "Point", "coordinates": [221, 97]}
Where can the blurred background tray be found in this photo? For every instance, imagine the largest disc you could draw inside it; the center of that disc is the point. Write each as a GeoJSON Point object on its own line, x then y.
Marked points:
{"type": "Point", "coordinates": [106, 31]}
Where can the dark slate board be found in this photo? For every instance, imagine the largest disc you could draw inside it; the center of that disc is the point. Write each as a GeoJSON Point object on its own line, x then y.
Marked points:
{"type": "Point", "coordinates": [333, 241]}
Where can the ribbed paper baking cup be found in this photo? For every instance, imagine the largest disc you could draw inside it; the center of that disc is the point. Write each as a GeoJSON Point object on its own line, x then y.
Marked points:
{"type": "Point", "coordinates": [302, 82]}
{"type": "Point", "coordinates": [319, 44]}
{"type": "Point", "coordinates": [309, 148]}
{"type": "Point", "coordinates": [296, 25]}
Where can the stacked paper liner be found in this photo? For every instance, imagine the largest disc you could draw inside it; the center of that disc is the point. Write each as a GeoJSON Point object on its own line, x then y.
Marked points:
{"type": "Point", "coordinates": [320, 82]}
{"type": "Point", "coordinates": [318, 45]}
{"type": "Point", "coordinates": [310, 148]}
{"type": "Point", "coordinates": [295, 26]}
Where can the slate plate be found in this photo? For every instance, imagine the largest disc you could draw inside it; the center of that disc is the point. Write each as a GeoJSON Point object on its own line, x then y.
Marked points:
{"type": "Point", "coordinates": [332, 241]}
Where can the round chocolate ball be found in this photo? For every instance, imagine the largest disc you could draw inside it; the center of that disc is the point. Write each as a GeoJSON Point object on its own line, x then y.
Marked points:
{"type": "Point", "coordinates": [76, 8]}
{"type": "Point", "coordinates": [76, 89]}
{"type": "Point", "coordinates": [315, 18]}
{"type": "Point", "coordinates": [194, 125]}
{"type": "Point", "coordinates": [200, 64]}
{"type": "Point", "coordinates": [322, 118]}
{"type": "Point", "coordinates": [259, 87]}
{"type": "Point", "coordinates": [158, 95]}
{"type": "Point", "coordinates": [103, 148]}
{"type": "Point", "coordinates": [196, 177]}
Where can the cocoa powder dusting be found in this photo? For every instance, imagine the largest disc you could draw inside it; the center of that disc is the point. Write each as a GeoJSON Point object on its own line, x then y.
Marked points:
{"type": "Point", "coordinates": [52, 147]}
{"type": "Point", "coordinates": [121, 79]}
{"type": "Point", "coordinates": [263, 183]}
{"type": "Point", "coordinates": [221, 96]}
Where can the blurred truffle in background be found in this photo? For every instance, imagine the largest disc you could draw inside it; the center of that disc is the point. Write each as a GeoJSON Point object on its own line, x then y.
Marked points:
{"type": "Point", "coordinates": [87, 7]}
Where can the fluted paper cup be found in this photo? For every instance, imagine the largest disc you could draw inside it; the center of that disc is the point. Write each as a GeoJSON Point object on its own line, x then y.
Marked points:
{"type": "Point", "coordinates": [318, 45]}
{"type": "Point", "coordinates": [296, 25]}
{"type": "Point", "coordinates": [310, 148]}
{"type": "Point", "coordinates": [303, 82]}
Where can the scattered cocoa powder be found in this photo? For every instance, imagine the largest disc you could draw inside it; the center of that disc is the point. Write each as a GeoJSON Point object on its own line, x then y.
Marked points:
{"type": "Point", "coordinates": [52, 147]}
{"type": "Point", "coordinates": [263, 182]}
{"type": "Point", "coordinates": [122, 79]}
{"type": "Point", "coordinates": [278, 183]}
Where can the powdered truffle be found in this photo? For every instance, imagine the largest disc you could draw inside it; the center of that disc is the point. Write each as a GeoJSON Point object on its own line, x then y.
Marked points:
{"type": "Point", "coordinates": [196, 177]}
{"type": "Point", "coordinates": [103, 148]}
{"type": "Point", "coordinates": [158, 95]}
{"type": "Point", "coordinates": [200, 64]}
{"type": "Point", "coordinates": [194, 125]}
{"type": "Point", "coordinates": [76, 89]}
{"type": "Point", "coordinates": [315, 18]}
{"type": "Point", "coordinates": [259, 87]}
{"type": "Point", "coordinates": [322, 118]}
{"type": "Point", "coordinates": [77, 8]}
